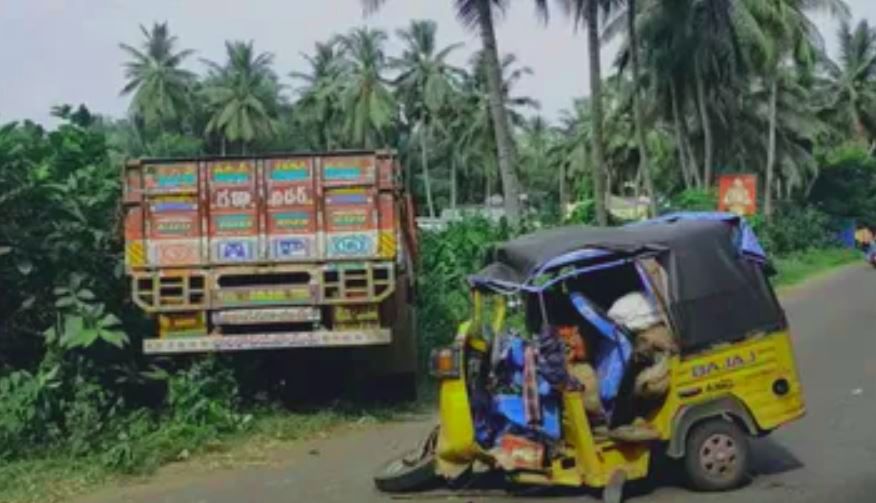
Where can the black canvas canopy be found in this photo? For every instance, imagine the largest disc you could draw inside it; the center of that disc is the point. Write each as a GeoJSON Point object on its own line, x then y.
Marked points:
{"type": "Point", "coordinates": [715, 292]}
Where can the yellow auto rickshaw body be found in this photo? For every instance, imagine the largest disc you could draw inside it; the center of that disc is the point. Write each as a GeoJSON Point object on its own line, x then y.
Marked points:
{"type": "Point", "coordinates": [753, 382]}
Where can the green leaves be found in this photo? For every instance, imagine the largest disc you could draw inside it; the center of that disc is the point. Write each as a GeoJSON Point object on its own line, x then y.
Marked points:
{"type": "Point", "coordinates": [76, 331]}
{"type": "Point", "coordinates": [370, 106]}
{"type": "Point", "coordinates": [83, 321]}
{"type": "Point", "coordinates": [242, 95]}
{"type": "Point", "coordinates": [160, 87]}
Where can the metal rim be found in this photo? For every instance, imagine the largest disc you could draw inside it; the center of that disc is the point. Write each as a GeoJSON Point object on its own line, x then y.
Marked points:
{"type": "Point", "coordinates": [719, 456]}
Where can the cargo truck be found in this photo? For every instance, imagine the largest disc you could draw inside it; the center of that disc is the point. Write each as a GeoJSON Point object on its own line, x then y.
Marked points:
{"type": "Point", "coordinates": [277, 252]}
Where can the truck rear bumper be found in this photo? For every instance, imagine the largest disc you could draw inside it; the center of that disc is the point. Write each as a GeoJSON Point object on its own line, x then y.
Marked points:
{"type": "Point", "coordinates": [314, 339]}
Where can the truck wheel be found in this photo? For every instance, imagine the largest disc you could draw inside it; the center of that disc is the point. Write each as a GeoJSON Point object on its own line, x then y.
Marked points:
{"type": "Point", "coordinates": [405, 474]}
{"type": "Point", "coordinates": [716, 456]}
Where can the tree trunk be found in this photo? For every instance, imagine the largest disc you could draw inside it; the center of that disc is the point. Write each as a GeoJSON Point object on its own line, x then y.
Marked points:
{"type": "Point", "coordinates": [501, 126]}
{"type": "Point", "coordinates": [707, 129]}
{"type": "Point", "coordinates": [637, 191]}
{"type": "Point", "coordinates": [427, 180]}
{"type": "Point", "coordinates": [771, 150]}
{"type": "Point", "coordinates": [562, 189]}
{"type": "Point", "coordinates": [811, 183]}
{"type": "Point", "coordinates": [694, 163]}
{"type": "Point", "coordinates": [223, 147]}
{"type": "Point", "coordinates": [596, 112]}
{"type": "Point", "coordinates": [680, 145]}
{"type": "Point", "coordinates": [644, 164]}
{"type": "Point", "coordinates": [488, 185]}
{"type": "Point", "coordinates": [453, 193]}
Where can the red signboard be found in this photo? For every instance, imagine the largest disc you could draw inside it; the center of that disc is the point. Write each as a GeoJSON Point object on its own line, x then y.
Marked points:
{"type": "Point", "coordinates": [738, 194]}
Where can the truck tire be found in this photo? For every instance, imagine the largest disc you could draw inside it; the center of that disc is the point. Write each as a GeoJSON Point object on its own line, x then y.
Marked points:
{"type": "Point", "coordinates": [717, 455]}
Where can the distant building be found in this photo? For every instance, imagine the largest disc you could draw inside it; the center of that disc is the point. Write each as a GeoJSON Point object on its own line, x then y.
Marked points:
{"type": "Point", "coordinates": [494, 211]}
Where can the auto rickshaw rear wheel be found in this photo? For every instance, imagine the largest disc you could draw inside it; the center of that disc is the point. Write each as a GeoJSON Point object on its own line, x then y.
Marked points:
{"type": "Point", "coordinates": [717, 455]}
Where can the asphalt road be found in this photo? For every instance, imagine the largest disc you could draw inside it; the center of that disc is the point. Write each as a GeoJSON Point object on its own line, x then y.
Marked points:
{"type": "Point", "coordinates": [829, 456]}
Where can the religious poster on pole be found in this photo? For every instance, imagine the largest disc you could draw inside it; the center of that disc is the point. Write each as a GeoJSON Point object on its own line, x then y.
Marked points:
{"type": "Point", "coordinates": [737, 193]}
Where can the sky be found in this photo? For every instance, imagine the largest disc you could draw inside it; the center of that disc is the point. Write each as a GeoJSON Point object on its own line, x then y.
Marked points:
{"type": "Point", "coordinates": [66, 51]}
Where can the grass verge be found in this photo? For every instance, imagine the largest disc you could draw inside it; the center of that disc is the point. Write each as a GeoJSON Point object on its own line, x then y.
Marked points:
{"type": "Point", "coordinates": [796, 268]}
{"type": "Point", "coordinates": [52, 476]}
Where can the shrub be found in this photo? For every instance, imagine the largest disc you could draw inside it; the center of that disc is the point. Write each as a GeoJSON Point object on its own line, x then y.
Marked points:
{"type": "Point", "coordinates": [27, 411]}
{"type": "Point", "coordinates": [795, 230]}
{"type": "Point", "coordinates": [446, 259]}
{"type": "Point", "coordinates": [694, 200]}
{"type": "Point", "coordinates": [846, 184]}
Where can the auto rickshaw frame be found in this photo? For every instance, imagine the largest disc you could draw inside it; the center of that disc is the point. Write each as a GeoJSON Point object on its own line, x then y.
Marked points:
{"type": "Point", "coordinates": [745, 375]}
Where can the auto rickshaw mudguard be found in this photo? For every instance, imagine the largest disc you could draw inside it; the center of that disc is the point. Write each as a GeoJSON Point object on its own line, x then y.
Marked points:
{"type": "Point", "coordinates": [728, 407]}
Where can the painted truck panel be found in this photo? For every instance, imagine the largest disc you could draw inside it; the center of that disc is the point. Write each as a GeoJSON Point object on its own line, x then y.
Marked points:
{"type": "Point", "coordinates": [284, 209]}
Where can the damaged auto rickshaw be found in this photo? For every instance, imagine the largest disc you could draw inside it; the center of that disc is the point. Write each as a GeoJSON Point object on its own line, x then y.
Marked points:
{"type": "Point", "coordinates": [661, 335]}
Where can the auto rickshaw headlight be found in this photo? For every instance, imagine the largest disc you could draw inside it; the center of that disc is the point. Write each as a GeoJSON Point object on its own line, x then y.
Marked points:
{"type": "Point", "coordinates": [445, 363]}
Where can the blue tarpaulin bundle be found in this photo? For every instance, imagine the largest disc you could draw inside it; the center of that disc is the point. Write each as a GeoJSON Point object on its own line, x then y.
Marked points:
{"type": "Point", "coordinates": [504, 411]}
{"type": "Point", "coordinates": [613, 352]}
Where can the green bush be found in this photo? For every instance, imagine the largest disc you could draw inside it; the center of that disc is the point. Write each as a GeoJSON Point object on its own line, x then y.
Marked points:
{"type": "Point", "coordinates": [846, 185]}
{"type": "Point", "coordinates": [795, 230]}
{"type": "Point", "coordinates": [205, 395]}
{"type": "Point", "coordinates": [447, 258]}
{"type": "Point", "coordinates": [27, 411]}
{"type": "Point", "coordinates": [584, 213]}
{"type": "Point", "coordinates": [694, 200]}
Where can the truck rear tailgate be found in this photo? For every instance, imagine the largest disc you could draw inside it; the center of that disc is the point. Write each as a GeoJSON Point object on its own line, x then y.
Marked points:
{"type": "Point", "coordinates": [267, 210]}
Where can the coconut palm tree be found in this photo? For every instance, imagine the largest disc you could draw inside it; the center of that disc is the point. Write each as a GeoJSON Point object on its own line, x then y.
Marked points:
{"type": "Point", "coordinates": [638, 118]}
{"type": "Point", "coordinates": [319, 105]}
{"type": "Point", "coordinates": [849, 88]}
{"type": "Point", "coordinates": [243, 95]}
{"type": "Point", "coordinates": [425, 85]}
{"type": "Point", "coordinates": [793, 36]}
{"type": "Point", "coordinates": [572, 152]}
{"type": "Point", "coordinates": [366, 98]}
{"type": "Point", "coordinates": [542, 179]}
{"type": "Point", "coordinates": [587, 12]}
{"type": "Point", "coordinates": [480, 15]}
{"type": "Point", "coordinates": [479, 130]}
{"type": "Point", "coordinates": [692, 50]}
{"type": "Point", "coordinates": [632, 55]}
{"type": "Point", "coordinates": [159, 85]}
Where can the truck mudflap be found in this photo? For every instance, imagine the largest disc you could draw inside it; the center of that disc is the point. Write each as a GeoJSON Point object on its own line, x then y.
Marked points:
{"type": "Point", "coordinates": [314, 339]}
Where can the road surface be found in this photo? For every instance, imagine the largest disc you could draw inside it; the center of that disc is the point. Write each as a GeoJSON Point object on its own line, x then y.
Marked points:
{"type": "Point", "coordinates": [829, 456]}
